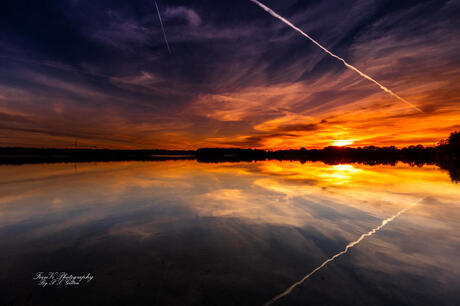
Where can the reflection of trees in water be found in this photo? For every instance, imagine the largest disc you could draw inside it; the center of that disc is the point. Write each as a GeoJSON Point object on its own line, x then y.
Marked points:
{"type": "Point", "coordinates": [453, 167]}
{"type": "Point", "coordinates": [448, 155]}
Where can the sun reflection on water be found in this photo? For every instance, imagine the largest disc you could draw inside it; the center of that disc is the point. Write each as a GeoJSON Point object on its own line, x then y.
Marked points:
{"type": "Point", "coordinates": [239, 218]}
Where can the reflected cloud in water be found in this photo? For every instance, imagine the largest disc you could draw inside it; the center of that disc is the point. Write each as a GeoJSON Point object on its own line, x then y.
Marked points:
{"type": "Point", "coordinates": [187, 233]}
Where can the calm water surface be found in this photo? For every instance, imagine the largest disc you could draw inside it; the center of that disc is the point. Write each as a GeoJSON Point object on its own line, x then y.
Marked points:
{"type": "Point", "coordinates": [189, 233]}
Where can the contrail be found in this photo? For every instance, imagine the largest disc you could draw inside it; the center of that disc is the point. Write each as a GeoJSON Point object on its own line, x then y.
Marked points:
{"type": "Point", "coordinates": [274, 14]}
{"type": "Point", "coordinates": [162, 27]}
{"type": "Point", "coordinates": [349, 246]}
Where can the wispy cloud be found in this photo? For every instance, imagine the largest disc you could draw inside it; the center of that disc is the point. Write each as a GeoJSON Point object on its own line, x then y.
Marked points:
{"type": "Point", "coordinates": [236, 77]}
{"type": "Point", "coordinates": [188, 14]}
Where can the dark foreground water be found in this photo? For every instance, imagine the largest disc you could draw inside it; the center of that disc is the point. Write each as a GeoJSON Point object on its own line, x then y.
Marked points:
{"type": "Point", "coordinates": [188, 233]}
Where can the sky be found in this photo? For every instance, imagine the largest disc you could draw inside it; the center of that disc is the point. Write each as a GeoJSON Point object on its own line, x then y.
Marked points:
{"type": "Point", "coordinates": [98, 73]}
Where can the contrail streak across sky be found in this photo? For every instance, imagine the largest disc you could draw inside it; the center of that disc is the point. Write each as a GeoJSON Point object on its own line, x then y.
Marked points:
{"type": "Point", "coordinates": [276, 15]}
{"type": "Point", "coordinates": [349, 246]}
{"type": "Point", "coordinates": [162, 27]}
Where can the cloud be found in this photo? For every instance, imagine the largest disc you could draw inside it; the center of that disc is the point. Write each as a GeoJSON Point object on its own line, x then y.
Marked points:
{"type": "Point", "coordinates": [257, 141]}
{"type": "Point", "coordinates": [123, 34]}
{"type": "Point", "coordinates": [183, 12]}
{"type": "Point", "coordinates": [299, 127]}
{"type": "Point", "coordinates": [142, 79]}
{"type": "Point", "coordinates": [237, 76]}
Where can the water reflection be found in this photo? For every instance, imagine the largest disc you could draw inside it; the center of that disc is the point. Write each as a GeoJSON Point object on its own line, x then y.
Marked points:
{"type": "Point", "coordinates": [185, 233]}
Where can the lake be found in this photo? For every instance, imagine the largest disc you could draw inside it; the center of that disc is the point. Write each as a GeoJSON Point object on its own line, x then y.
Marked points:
{"type": "Point", "coordinates": [190, 233]}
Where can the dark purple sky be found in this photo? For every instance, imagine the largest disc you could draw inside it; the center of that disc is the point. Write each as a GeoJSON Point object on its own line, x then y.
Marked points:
{"type": "Point", "coordinates": [99, 72]}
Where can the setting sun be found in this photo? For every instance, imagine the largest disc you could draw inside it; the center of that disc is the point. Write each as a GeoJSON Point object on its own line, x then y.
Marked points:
{"type": "Point", "coordinates": [342, 142]}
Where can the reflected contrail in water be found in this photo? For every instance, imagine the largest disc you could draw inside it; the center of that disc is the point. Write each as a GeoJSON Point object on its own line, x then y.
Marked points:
{"type": "Point", "coordinates": [350, 245]}
{"type": "Point", "coordinates": [274, 14]}
{"type": "Point", "coordinates": [162, 27]}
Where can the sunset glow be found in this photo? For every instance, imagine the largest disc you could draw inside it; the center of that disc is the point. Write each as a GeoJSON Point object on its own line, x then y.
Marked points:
{"type": "Point", "coordinates": [341, 143]}
{"type": "Point", "coordinates": [275, 90]}
{"type": "Point", "coordinates": [253, 152]}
